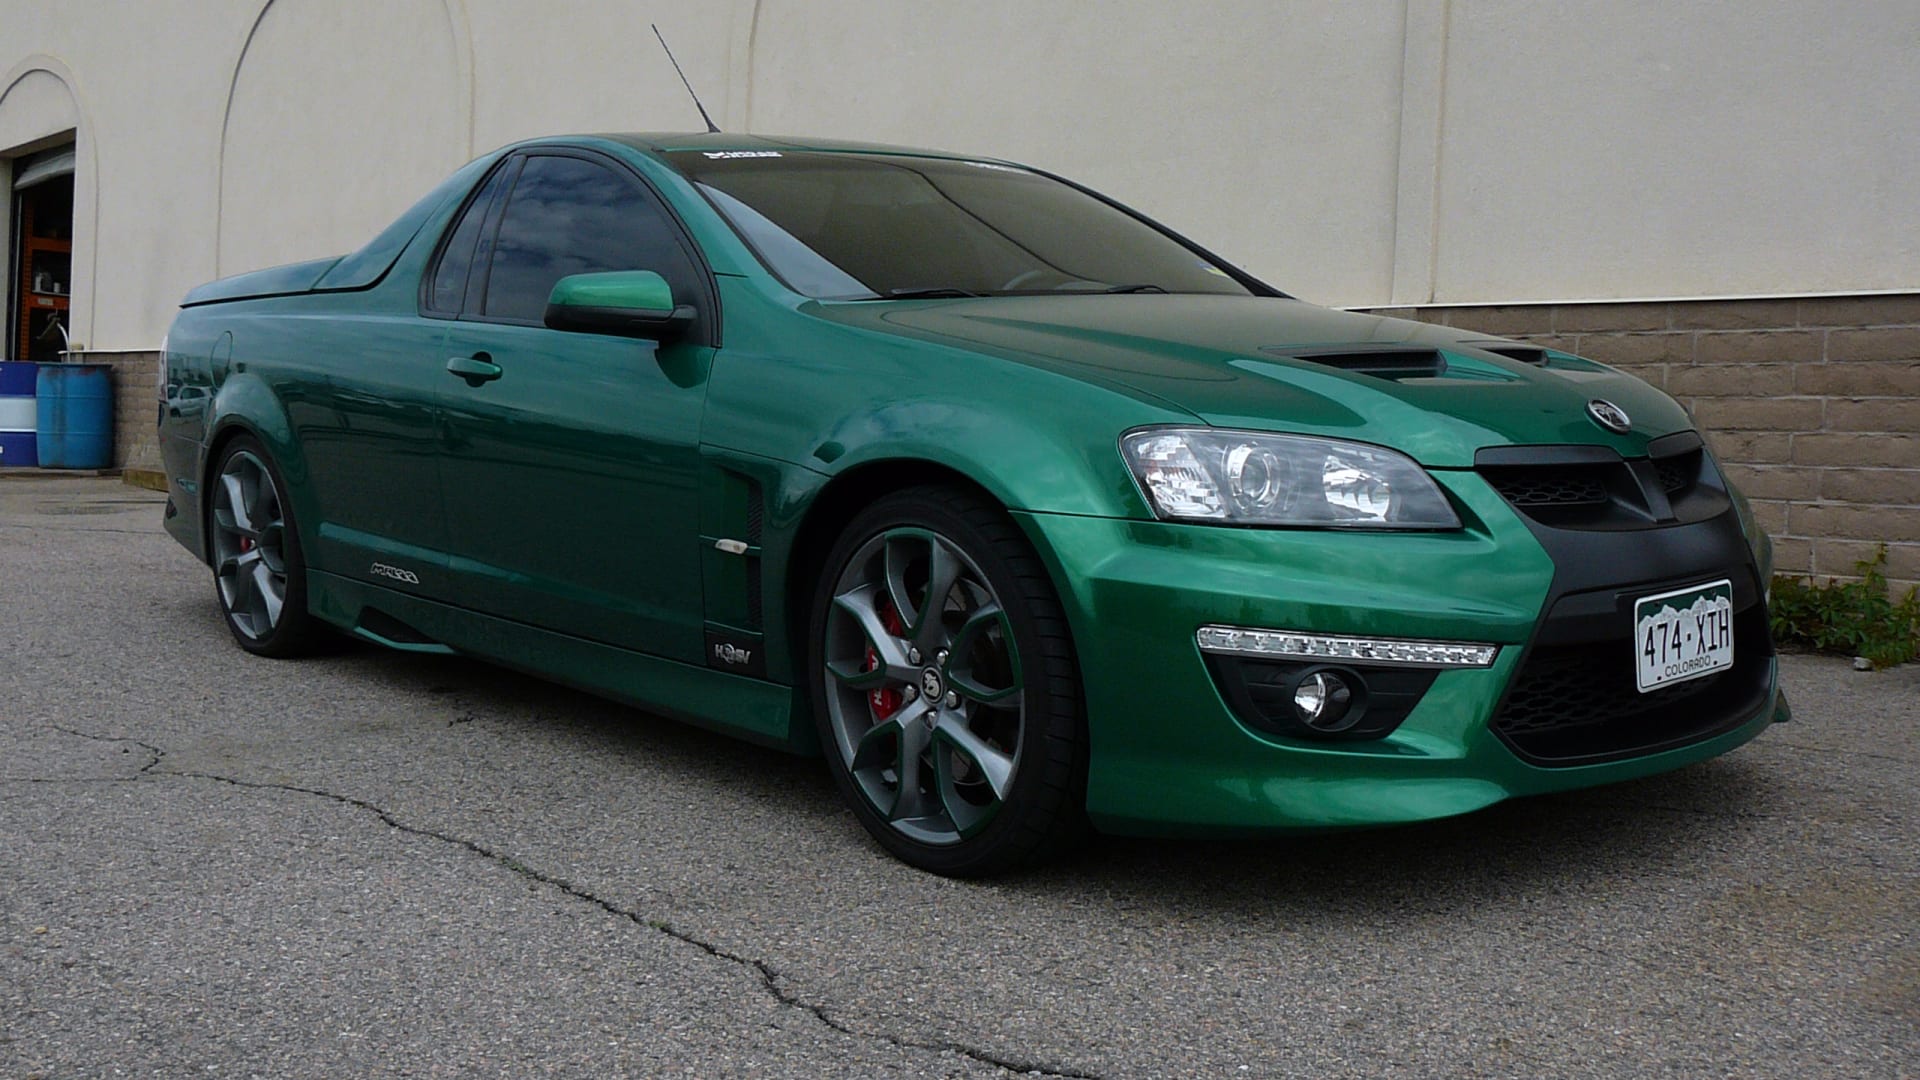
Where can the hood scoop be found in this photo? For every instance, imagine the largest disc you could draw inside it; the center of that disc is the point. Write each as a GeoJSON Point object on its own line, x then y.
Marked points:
{"type": "Point", "coordinates": [1394, 363]}
{"type": "Point", "coordinates": [1410, 363]}
{"type": "Point", "coordinates": [1526, 354]}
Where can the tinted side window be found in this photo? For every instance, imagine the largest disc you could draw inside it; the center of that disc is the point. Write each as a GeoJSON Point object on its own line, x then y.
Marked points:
{"type": "Point", "coordinates": [448, 290]}
{"type": "Point", "coordinates": [571, 216]}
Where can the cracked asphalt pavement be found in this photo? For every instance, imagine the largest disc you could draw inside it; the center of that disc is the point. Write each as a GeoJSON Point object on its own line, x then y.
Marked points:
{"type": "Point", "coordinates": [372, 864]}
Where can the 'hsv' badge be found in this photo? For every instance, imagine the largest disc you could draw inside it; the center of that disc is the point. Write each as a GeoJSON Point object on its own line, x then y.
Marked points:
{"type": "Point", "coordinates": [1609, 416]}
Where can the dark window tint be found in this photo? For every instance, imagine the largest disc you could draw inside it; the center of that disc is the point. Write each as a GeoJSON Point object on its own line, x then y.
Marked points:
{"type": "Point", "coordinates": [847, 225]}
{"type": "Point", "coordinates": [572, 216]}
{"type": "Point", "coordinates": [449, 287]}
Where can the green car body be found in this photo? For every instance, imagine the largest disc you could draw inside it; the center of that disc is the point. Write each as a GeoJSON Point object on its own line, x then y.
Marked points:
{"type": "Point", "coordinates": [614, 513]}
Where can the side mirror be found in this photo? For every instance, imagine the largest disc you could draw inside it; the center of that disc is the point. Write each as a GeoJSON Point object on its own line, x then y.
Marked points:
{"type": "Point", "coordinates": [627, 303]}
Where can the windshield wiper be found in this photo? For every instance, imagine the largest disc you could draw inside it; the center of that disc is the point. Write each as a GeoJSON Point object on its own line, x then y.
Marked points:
{"type": "Point", "coordinates": [1133, 288]}
{"type": "Point", "coordinates": [925, 294]}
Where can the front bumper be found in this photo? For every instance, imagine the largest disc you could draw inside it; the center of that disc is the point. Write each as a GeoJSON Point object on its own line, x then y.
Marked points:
{"type": "Point", "coordinates": [1169, 755]}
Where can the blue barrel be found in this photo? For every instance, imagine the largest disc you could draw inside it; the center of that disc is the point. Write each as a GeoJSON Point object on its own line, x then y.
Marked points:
{"type": "Point", "coordinates": [18, 417]}
{"type": "Point", "coordinates": [75, 414]}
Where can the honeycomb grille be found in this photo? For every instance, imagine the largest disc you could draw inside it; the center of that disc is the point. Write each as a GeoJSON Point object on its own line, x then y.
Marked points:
{"type": "Point", "coordinates": [1549, 487]}
{"type": "Point", "coordinates": [1602, 494]}
{"type": "Point", "coordinates": [1677, 472]}
{"type": "Point", "coordinates": [1578, 703]}
{"type": "Point", "coordinates": [1584, 688]}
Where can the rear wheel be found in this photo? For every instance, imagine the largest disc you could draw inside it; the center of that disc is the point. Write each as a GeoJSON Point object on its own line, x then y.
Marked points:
{"type": "Point", "coordinates": [945, 685]}
{"type": "Point", "coordinates": [259, 577]}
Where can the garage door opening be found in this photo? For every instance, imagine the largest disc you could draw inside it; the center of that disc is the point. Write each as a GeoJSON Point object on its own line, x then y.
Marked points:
{"type": "Point", "coordinates": [41, 262]}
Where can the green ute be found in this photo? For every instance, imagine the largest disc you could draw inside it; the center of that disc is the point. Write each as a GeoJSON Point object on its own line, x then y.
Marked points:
{"type": "Point", "coordinates": [1026, 514]}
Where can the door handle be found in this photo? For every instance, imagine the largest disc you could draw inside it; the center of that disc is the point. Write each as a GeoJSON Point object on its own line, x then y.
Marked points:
{"type": "Point", "coordinates": [476, 369]}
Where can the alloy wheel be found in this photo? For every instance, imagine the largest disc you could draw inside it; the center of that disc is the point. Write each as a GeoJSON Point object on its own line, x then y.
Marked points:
{"type": "Point", "coordinates": [249, 546]}
{"type": "Point", "coordinates": [924, 694]}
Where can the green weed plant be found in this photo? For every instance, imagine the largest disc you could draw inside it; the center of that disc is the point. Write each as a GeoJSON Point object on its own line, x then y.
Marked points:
{"type": "Point", "coordinates": [1855, 618]}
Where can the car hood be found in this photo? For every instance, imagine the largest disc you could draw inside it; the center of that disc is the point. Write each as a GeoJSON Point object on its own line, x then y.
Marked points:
{"type": "Point", "coordinates": [1433, 392]}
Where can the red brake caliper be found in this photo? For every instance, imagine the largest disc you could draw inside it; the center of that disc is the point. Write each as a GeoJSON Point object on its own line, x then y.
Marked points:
{"type": "Point", "coordinates": [887, 700]}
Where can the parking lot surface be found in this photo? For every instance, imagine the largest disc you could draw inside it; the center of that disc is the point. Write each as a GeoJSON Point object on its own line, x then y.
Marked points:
{"type": "Point", "coordinates": [372, 864]}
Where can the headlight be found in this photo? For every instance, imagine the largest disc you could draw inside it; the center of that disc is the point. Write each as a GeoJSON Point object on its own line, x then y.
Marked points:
{"type": "Point", "coordinates": [1252, 478]}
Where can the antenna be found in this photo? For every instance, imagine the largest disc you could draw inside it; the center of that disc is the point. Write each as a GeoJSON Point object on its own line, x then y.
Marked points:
{"type": "Point", "coordinates": [711, 127]}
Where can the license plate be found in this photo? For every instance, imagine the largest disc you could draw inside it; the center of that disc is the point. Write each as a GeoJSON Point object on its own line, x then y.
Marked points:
{"type": "Point", "coordinates": [1683, 634]}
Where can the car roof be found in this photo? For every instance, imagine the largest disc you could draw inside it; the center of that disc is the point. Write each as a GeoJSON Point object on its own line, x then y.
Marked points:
{"type": "Point", "coordinates": [664, 141]}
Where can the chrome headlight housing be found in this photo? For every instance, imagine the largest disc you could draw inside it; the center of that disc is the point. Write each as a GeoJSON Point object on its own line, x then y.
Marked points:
{"type": "Point", "coordinates": [1255, 478]}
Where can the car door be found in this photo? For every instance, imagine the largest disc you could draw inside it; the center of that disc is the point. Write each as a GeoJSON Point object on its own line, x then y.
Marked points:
{"type": "Point", "coordinates": [569, 460]}
{"type": "Point", "coordinates": [366, 413]}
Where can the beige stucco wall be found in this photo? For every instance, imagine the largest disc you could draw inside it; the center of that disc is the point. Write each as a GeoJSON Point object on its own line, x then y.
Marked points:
{"type": "Point", "coordinates": [1603, 150]}
{"type": "Point", "coordinates": [1357, 152]}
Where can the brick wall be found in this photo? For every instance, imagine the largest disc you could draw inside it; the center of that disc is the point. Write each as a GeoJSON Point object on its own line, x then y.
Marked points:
{"type": "Point", "coordinates": [135, 438]}
{"type": "Point", "coordinates": [1813, 405]}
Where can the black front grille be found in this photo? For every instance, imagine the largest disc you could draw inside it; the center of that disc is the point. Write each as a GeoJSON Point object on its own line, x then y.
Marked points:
{"type": "Point", "coordinates": [1594, 488]}
{"type": "Point", "coordinates": [1571, 486]}
{"type": "Point", "coordinates": [1577, 703]}
{"type": "Point", "coordinates": [1579, 686]}
{"type": "Point", "coordinates": [1678, 471]}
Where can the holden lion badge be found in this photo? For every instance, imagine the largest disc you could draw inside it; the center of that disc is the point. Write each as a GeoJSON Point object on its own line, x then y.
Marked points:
{"type": "Point", "coordinates": [1609, 416]}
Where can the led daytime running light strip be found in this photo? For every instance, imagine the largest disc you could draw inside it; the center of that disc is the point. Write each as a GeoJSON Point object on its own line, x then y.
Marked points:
{"type": "Point", "coordinates": [1293, 645]}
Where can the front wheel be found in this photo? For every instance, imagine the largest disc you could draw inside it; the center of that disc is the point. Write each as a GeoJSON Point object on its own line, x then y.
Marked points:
{"type": "Point", "coordinates": [259, 577]}
{"type": "Point", "coordinates": [945, 686]}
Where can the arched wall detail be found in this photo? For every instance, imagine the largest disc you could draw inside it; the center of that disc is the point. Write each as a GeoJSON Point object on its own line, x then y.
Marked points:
{"type": "Point", "coordinates": [86, 195]}
{"type": "Point", "coordinates": [330, 89]}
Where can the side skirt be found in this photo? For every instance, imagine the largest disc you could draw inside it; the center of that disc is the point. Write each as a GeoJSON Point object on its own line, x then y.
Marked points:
{"type": "Point", "coordinates": [750, 709]}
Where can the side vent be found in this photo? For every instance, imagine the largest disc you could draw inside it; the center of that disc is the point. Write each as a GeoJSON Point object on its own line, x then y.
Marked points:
{"type": "Point", "coordinates": [733, 526]}
{"type": "Point", "coordinates": [756, 518]}
{"type": "Point", "coordinates": [756, 512]}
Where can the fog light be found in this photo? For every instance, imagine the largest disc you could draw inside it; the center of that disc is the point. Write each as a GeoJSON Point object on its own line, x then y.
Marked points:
{"type": "Point", "coordinates": [1323, 701]}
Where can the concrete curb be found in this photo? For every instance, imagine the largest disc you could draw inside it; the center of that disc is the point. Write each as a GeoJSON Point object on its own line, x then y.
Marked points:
{"type": "Point", "coordinates": [151, 479]}
{"type": "Point", "coordinates": [54, 474]}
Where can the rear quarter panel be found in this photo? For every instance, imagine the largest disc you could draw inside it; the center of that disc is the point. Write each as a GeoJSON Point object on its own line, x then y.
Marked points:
{"type": "Point", "coordinates": [274, 369]}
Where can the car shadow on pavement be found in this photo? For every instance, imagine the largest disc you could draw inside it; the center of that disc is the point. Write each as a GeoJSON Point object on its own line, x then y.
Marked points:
{"type": "Point", "coordinates": [1523, 851]}
{"type": "Point", "coordinates": [475, 688]}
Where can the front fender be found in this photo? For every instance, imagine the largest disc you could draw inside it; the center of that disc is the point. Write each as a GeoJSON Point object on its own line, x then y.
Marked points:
{"type": "Point", "coordinates": [1025, 466]}
{"type": "Point", "coordinates": [831, 398]}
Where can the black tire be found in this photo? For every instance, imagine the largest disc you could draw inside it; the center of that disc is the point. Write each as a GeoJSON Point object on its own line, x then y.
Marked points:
{"type": "Point", "coordinates": [997, 781]}
{"type": "Point", "coordinates": [259, 574]}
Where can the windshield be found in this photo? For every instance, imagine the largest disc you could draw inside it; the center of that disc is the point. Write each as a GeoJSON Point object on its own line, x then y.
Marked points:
{"type": "Point", "coordinates": [873, 226]}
